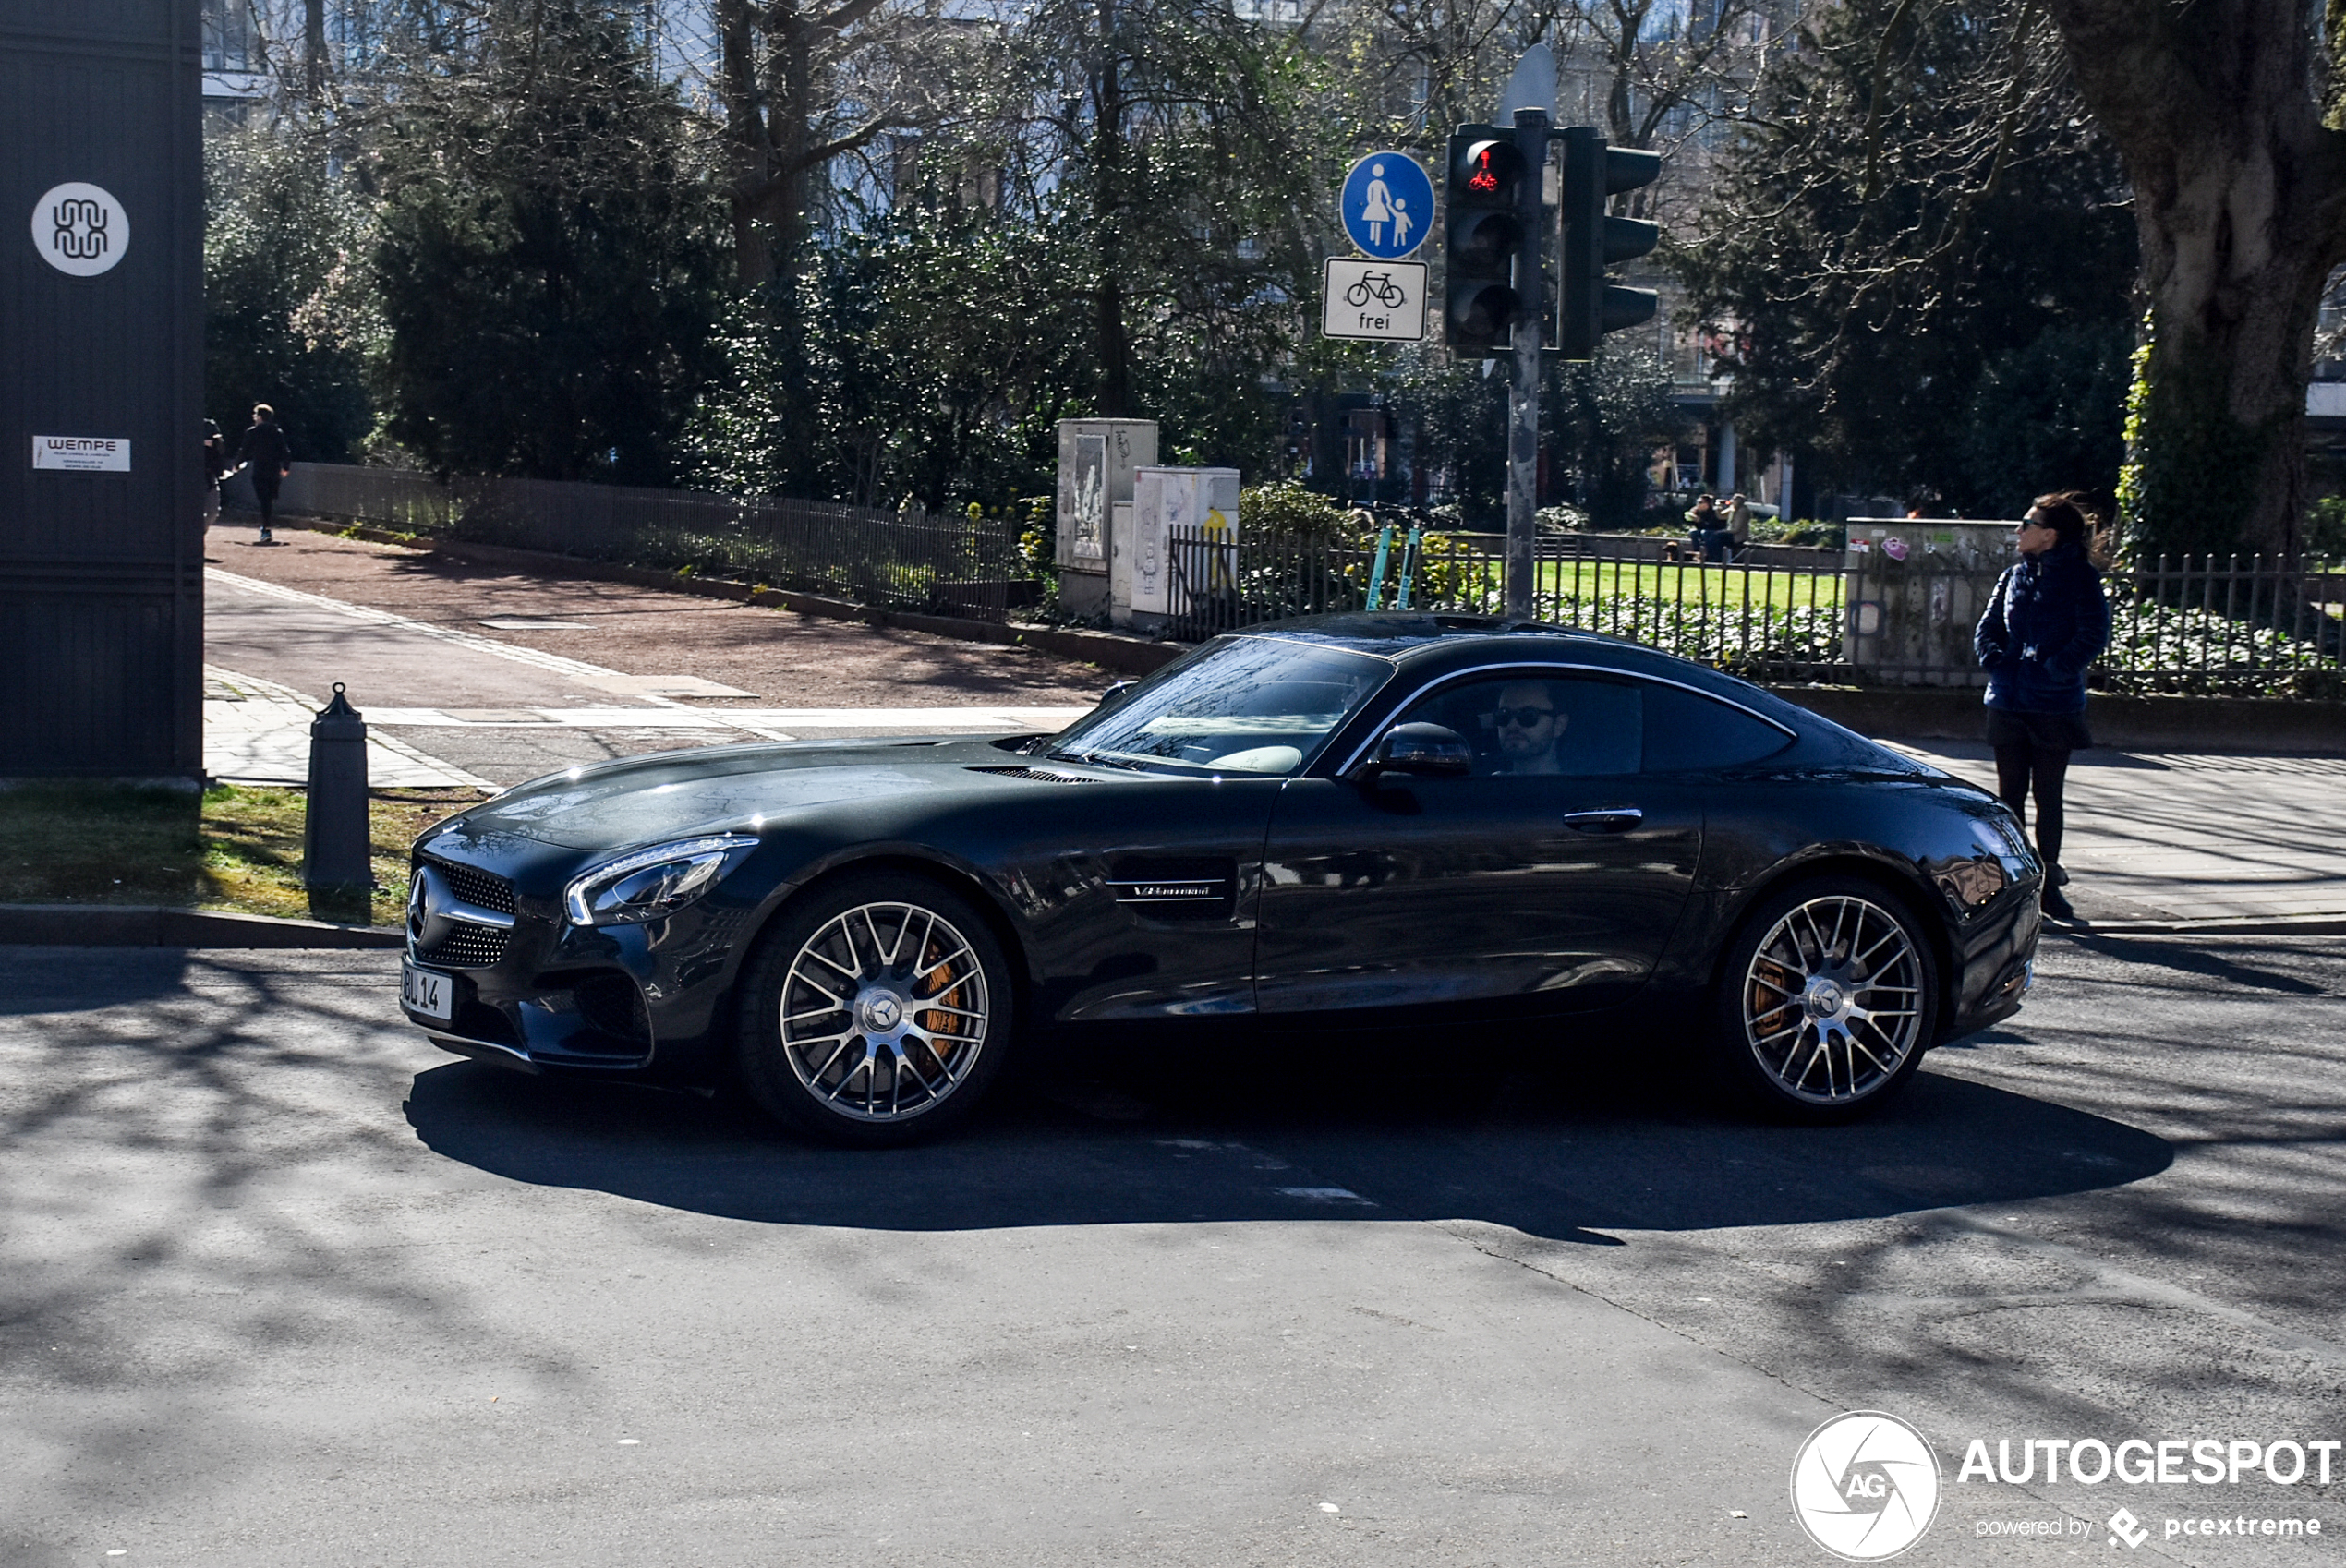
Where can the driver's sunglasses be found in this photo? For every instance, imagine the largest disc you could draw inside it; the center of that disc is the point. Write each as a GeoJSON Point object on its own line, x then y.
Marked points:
{"type": "Point", "coordinates": [1523, 717]}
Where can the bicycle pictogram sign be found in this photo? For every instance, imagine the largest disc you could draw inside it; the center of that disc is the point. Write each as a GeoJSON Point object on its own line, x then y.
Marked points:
{"type": "Point", "coordinates": [1380, 301]}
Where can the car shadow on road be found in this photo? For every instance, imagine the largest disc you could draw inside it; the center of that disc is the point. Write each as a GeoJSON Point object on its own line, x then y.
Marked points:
{"type": "Point", "coordinates": [1568, 1157]}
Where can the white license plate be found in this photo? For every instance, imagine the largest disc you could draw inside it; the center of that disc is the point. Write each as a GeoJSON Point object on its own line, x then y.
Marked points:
{"type": "Point", "coordinates": [427, 992]}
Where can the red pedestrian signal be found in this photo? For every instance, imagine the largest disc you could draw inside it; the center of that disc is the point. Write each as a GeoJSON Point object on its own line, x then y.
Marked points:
{"type": "Point", "coordinates": [1486, 237]}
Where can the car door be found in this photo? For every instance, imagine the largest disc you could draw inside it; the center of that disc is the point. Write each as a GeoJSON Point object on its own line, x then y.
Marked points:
{"type": "Point", "coordinates": [1153, 916]}
{"type": "Point", "coordinates": [1499, 893]}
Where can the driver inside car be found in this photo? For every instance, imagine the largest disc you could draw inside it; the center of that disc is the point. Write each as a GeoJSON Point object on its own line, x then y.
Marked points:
{"type": "Point", "coordinates": [1528, 726]}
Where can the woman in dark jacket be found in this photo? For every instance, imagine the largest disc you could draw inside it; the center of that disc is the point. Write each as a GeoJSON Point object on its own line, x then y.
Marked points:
{"type": "Point", "coordinates": [2044, 628]}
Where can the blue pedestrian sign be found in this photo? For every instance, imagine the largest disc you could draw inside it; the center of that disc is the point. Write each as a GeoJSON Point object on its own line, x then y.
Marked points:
{"type": "Point", "coordinates": [1388, 205]}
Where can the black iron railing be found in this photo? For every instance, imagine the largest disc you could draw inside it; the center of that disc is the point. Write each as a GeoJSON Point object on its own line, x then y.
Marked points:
{"type": "Point", "coordinates": [2249, 626]}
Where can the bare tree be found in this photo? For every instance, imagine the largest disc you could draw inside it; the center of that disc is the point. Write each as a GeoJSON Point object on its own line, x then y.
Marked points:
{"type": "Point", "coordinates": [1429, 64]}
{"type": "Point", "coordinates": [801, 85]}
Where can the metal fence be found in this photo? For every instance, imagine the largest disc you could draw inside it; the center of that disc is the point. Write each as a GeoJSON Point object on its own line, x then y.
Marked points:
{"type": "Point", "coordinates": [2237, 625]}
{"type": "Point", "coordinates": [2246, 626]}
{"type": "Point", "coordinates": [944, 561]}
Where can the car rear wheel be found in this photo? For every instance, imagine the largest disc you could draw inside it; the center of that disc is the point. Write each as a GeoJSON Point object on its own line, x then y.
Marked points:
{"type": "Point", "coordinates": [877, 1012]}
{"type": "Point", "coordinates": [1827, 999]}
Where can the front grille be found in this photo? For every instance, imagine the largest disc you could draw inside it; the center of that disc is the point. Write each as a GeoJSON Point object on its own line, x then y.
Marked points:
{"type": "Point", "coordinates": [477, 888]}
{"type": "Point", "coordinates": [467, 946]}
{"type": "Point", "coordinates": [1035, 773]}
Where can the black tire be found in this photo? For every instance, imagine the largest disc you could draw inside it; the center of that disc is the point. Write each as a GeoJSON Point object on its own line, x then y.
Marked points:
{"type": "Point", "coordinates": [1827, 998]}
{"type": "Point", "coordinates": [874, 1012]}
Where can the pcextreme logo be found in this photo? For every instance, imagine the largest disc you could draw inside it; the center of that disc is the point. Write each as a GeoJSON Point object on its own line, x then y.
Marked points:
{"type": "Point", "coordinates": [1865, 1486]}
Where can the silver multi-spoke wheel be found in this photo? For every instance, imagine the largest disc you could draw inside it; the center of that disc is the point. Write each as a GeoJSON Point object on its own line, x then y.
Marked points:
{"type": "Point", "coordinates": [883, 1011]}
{"type": "Point", "coordinates": [1833, 999]}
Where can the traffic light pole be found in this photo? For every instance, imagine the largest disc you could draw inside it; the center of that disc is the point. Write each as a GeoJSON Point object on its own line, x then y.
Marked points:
{"type": "Point", "coordinates": [1523, 398]}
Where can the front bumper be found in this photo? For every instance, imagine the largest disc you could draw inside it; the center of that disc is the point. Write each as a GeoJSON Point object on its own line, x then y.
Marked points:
{"type": "Point", "coordinates": [533, 991]}
{"type": "Point", "coordinates": [1996, 963]}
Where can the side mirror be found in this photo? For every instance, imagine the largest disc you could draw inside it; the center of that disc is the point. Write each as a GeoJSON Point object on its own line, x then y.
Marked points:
{"type": "Point", "coordinates": [1425, 751]}
{"type": "Point", "coordinates": [1117, 693]}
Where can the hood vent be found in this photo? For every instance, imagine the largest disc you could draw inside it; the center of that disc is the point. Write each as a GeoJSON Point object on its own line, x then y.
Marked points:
{"type": "Point", "coordinates": [1035, 773]}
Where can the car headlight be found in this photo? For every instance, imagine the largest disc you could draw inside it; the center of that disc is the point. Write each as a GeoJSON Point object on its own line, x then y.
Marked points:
{"type": "Point", "coordinates": [654, 883]}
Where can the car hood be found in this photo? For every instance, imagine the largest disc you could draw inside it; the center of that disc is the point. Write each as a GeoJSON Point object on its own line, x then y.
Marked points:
{"type": "Point", "coordinates": [721, 789]}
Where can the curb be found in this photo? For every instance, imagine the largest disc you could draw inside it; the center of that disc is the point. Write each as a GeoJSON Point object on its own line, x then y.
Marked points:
{"type": "Point", "coordinates": [1111, 650]}
{"type": "Point", "coordinates": [156, 925]}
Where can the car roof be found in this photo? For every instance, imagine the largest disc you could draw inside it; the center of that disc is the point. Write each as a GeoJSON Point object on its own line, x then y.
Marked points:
{"type": "Point", "coordinates": [1437, 643]}
{"type": "Point", "coordinates": [1390, 634]}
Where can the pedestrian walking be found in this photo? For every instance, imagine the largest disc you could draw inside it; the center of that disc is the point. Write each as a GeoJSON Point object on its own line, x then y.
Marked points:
{"type": "Point", "coordinates": [215, 469]}
{"type": "Point", "coordinates": [267, 457]}
{"type": "Point", "coordinates": [2045, 624]}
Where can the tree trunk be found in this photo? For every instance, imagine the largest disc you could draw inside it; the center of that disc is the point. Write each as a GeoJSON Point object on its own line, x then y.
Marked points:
{"type": "Point", "coordinates": [749, 142]}
{"type": "Point", "coordinates": [1110, 339]}
{"type": "Point", "coordinates": [2240, 200]}
{"type": "Point", "coordinates": [313, 50]}
{"type": "Point", "coordinates": [766, 83]}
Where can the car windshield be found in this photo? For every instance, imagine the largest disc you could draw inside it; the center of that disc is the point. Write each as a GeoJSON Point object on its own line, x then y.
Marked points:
{"type": "Point", "coordinates": [1240, 705]}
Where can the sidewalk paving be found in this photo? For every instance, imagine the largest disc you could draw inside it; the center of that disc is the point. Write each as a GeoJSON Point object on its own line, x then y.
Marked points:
{"type": "Point", "coordinates": [256, 731]}
{"type": "Point", "coordinates": [2171, 836]}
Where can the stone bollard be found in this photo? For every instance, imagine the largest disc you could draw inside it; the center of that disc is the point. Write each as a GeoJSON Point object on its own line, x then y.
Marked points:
{"type": "Point", "coordinates": [336, 840]}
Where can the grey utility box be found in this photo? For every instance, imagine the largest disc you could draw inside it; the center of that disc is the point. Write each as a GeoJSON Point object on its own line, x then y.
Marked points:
{"type": "Point", "coordinates": [1097, 459]}
{"type": "Point", "coordinates": [1181, 521]}
{"type": "Point", "coordinates": [101, 388]}
{"type": "Point", "coordinates": [1913, 589]}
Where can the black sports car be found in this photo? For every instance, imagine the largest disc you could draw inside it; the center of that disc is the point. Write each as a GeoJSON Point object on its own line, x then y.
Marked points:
{"type": "Point", "coordinates": [1390, 821]}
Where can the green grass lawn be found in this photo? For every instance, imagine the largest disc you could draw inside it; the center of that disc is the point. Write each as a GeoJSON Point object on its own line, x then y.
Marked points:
{"type": "Point", "coordinates": [1600, 586]}
{"type": "Point", "coordinates": [233, 847]}
{"type": "Point", "coordinates": [1734, 586]}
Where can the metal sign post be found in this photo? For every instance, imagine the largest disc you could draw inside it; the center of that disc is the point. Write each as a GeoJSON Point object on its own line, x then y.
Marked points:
{"type": "Point", "coordinates": [1523, 397]}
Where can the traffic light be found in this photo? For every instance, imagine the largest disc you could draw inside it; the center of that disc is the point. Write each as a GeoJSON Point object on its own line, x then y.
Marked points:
{"type": "Point", "coordinates": [1594, 173]}
{"type": "Point", "coordinates": [1486, 237]}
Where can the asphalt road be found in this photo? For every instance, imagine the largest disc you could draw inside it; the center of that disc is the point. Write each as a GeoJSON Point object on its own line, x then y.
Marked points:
{"type": "Point", "coordinates": [280, 1283]}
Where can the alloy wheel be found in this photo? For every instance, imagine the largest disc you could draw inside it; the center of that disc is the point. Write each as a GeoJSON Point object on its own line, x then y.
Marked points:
{"type": "Point", "coordinates": [1832, 999]}
{"type": "Point", "coordinates": [883, 1011]}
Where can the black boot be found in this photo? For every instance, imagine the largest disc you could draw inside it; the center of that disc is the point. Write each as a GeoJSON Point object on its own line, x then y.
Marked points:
{"type": "Point", "coordinates": [2054, 903]}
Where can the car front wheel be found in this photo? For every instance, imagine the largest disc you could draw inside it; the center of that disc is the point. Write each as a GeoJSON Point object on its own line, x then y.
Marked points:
{"type": "Point", "coordinates": [877, 1012]}
{"type": "Point", "coordinates": [1826, 998]}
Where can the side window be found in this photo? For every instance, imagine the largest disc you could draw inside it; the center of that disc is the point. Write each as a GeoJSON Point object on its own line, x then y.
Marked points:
{"type": "Point", "coordinates": [1686, 733]}
{"type": "Point", "coordinates": [1532, 724]}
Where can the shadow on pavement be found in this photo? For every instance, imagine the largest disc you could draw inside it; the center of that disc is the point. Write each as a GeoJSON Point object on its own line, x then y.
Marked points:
{"type": "Point", "coordinates": [1562, 1160]}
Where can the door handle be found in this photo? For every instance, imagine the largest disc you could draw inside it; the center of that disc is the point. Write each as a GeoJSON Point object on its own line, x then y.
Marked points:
{"type": "Point", "coordinates": [1618, 819]}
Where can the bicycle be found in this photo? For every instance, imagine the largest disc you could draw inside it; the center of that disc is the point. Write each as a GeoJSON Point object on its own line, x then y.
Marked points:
{"type": "Point", "coordinates": [1379, 286]}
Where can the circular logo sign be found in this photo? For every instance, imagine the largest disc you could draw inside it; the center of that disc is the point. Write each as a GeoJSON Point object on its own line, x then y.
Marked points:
{"type": "Point", "coordinates": [1865, 1486]}
{"type": "Point", "coordinates": [80, 229]}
